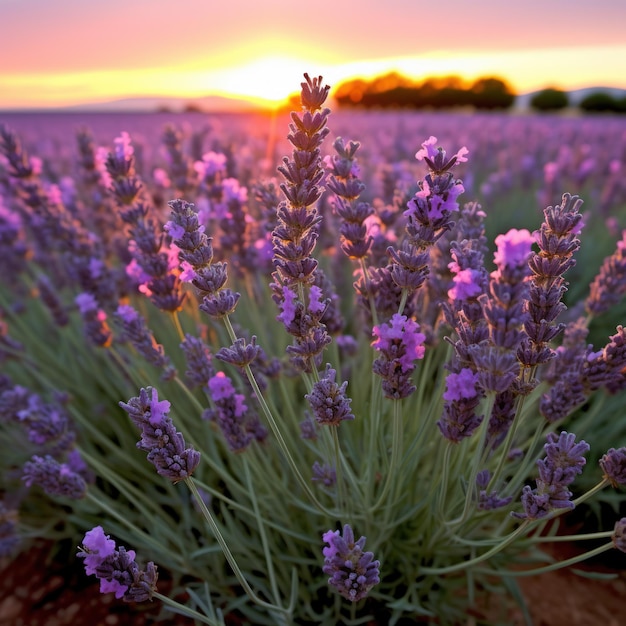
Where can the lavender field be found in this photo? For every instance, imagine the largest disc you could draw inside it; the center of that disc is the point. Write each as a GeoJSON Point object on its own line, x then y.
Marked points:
{"type": "Point", "coordinates": [317, 368]}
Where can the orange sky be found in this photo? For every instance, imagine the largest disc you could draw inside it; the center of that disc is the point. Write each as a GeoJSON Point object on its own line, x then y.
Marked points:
{"type": "Point", "coordinates": [59, 52]}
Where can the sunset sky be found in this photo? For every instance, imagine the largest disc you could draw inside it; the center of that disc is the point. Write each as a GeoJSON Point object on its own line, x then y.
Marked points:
{"type": "Point", "coordinates": [60, 52]}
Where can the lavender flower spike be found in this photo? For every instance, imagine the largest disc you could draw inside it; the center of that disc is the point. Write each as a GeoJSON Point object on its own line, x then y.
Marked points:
{"type": "Point", "coordinates": [352, 572]}
{"type": "Point", "coordinates": [619, 534]}
{"type": "Point", "coordinates": [328, 400]}
{"type": "Point", "coordinates": [564, 460]}
{"type": "Point", "coordinates": [164, 445]}
{"type": "Point", "coordinates": [613, 464]}
{"type": "Point", "coordinates": [116, 568]}
{"type": "Point", "coordinates": [56, 479]}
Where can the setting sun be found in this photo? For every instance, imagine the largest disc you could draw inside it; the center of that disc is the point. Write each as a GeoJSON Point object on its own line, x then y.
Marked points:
{"type": "Point", "coordinates": [268, 80]}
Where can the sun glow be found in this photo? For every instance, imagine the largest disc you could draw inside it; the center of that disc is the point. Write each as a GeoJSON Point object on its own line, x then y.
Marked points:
{"type": "Point", "coordinates": [269, 80]}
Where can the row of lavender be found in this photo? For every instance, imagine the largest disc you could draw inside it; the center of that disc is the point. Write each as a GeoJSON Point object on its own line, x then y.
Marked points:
{"type": "Point", "coordinates": [268, 315]}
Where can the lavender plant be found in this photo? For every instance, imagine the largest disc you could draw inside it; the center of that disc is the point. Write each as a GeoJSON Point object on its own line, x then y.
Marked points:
{"type": "Point", "coordinates": [241, 428]}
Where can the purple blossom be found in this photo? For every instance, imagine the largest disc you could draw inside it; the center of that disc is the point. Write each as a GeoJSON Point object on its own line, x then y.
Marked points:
{"type": "Point", "coordinates": [136, 331]}
{"type": "Point", "coordinates": [488, 502]}
{"type": "Point", "coordinates": [86, 303]}
{"type": "Point", "coordinates": [462, 385]}
{"type": "Point", "coordinates": [619, 534]}
{"type": "Point", "coordinates": [609, 286]}
{"type": "Point", "coordinates": [613, 464]}
{"type": "Point", "coordinates": [316, 303]}
{"type": "Point", "coordinates": [513, 248]}
{"type": "Point", "coordinates": [468, 283]}
{"type": "Point", "coordinates": [557, 243]}
{"type": "Point", "coordinates": [324, 474]}
{"type": "Point", "coordinates": [428, 149]}
{"type": "Point", "coordinates": [328, 400]}
{"type": "Point", "coordinates": [116, 568]}
{"type": "Point", "coordinates": [398, 330]}
{"type": "Point", "coordinates": [48, 424]}
{"type": "Point", "coordinates": [164, 445]}
{"type": "Point", "coordinates": [564, 460]}
{"type": "Point", "coordinates": [352, 571]}
{"type": "Point", "coordinates": [212, 163]}
{"type": "Point", "coordinates": [199, 360]}
{"type": "Point", "coordinates": [220, 387]}
{"type": "Point", "coordinates": [56, 479]}
{"type": "Point", "coordinates": [435, 157]}
{"type": "Point", "coordinates": [240, 353]}
{"type": "Point", "coordinates": [400, 344]}
{"type": "Point", "coordinates": [96, 546]}
{"type": "Point", "coordinates": [308, 427]}
{"type": "Point", "coordinates": [174, 230]}
{"type": "Point", "coordinates": [231, 414]}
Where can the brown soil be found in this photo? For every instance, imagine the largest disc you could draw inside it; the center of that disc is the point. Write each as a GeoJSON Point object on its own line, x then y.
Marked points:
{"type": "Point", "coordinates": [37, 589]}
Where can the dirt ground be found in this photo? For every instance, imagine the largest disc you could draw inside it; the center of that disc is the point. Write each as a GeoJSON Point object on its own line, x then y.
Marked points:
{"type": "Point", "coordinates": [36, 590]}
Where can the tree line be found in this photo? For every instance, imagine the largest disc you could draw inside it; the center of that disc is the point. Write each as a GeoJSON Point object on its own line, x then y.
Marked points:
{"type": "Point", "coordinates": [394, 90]}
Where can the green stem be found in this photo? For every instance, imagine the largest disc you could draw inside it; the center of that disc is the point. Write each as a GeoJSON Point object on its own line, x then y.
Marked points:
{"type": "Point", "coordinates": [478, 458]}
{"type": "Point", "coordinates": [275, 430]}
{"type": "Point", "coordinates": [226, 550]}
{"type": "Point", "coordinates": [184, 610]}
{"type": "Point", "coordinates": [342, 501]}
{"type": "Point", "coordinates": [262, 533]}
{"type": "Point", "coordinates": [396, 443]}
{"type": "Point", "coordinates": [559, 564]}
{"type": "Point", "coordinates": [479, 559]}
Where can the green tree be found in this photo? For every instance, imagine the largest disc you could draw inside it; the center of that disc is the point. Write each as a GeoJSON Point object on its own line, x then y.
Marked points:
{"type": "Point", "coordinates": [599, 102]}
{"type": "Point", "coordinates": [549, 99]}
{"type": "Point", "coordinates": [491, 93]}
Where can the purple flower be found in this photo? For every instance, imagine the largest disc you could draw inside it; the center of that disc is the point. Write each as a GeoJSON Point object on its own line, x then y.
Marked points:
{"type": "Point", "coordinates": [557, 243]}
{"type": "Point", "coordinates": [240, 353]}
{"type": "Point", "coordinates": [86, 303]}
{"type": "Point", "coordinates": [324, 474]}
{"type": "Point", "coordinates": [400, 330]}
{"type": "Point", "coordinates": [308, 427]}
{"type": "Point", "coordinates": [563, 462]}
{"type": "Point", "coordinates": [468, 283]}
{"type": "Point", "coordinates": [613, 464]}
{"type": "Point", "coordinates": [316, 302]}
{"type": "Point", "coordinates": [328, 400]}
{"type": "Point", "coordinates": [352, 571]}
{"type": "Point", "coordinates": [56, 479]}
{"type": "Point", "coordinates": [220, 387]}
{"type": "Point", "coordinates": [198, 356]}
{"type": "Point", "coordinates": [164, 445]}
{"type": "Point", "coordinates": [96, 328]}
{"type": "Point", "coordinates": [513, 248]}
{"type": "Point", "coordinates": [136, 331]}
{"type": "Point", "coordinates": [400, 344]}
{"type": "Point", "coordinates": [97, 546]}
{"type": "Point", "coordinates": [174, 230]}
{"type": "Point", "coordinates": [488, 502]}
{"type": "Point", "coordinates": [116, 568]}
{"type": "Point", "coordinates": [619, 534]}
{"type": "Point", "coordinates": [127, 314]}
{"type": "Point", "coordinates": [436, 157]}
{"type": "Point", "coordinates": [609, 286]}
{"type": "Point", "coordinates": [48, 424]}
{"type": "Point", "coordinates": [238, 425]}
{"type": "Point", "coordinates": [461, 385]}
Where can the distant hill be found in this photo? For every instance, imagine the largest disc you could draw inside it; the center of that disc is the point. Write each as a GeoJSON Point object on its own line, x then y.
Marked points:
{"type": "Point", "coordinates": [575, 97]}
{"type": "Point", "coordinates": [156, 103]}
